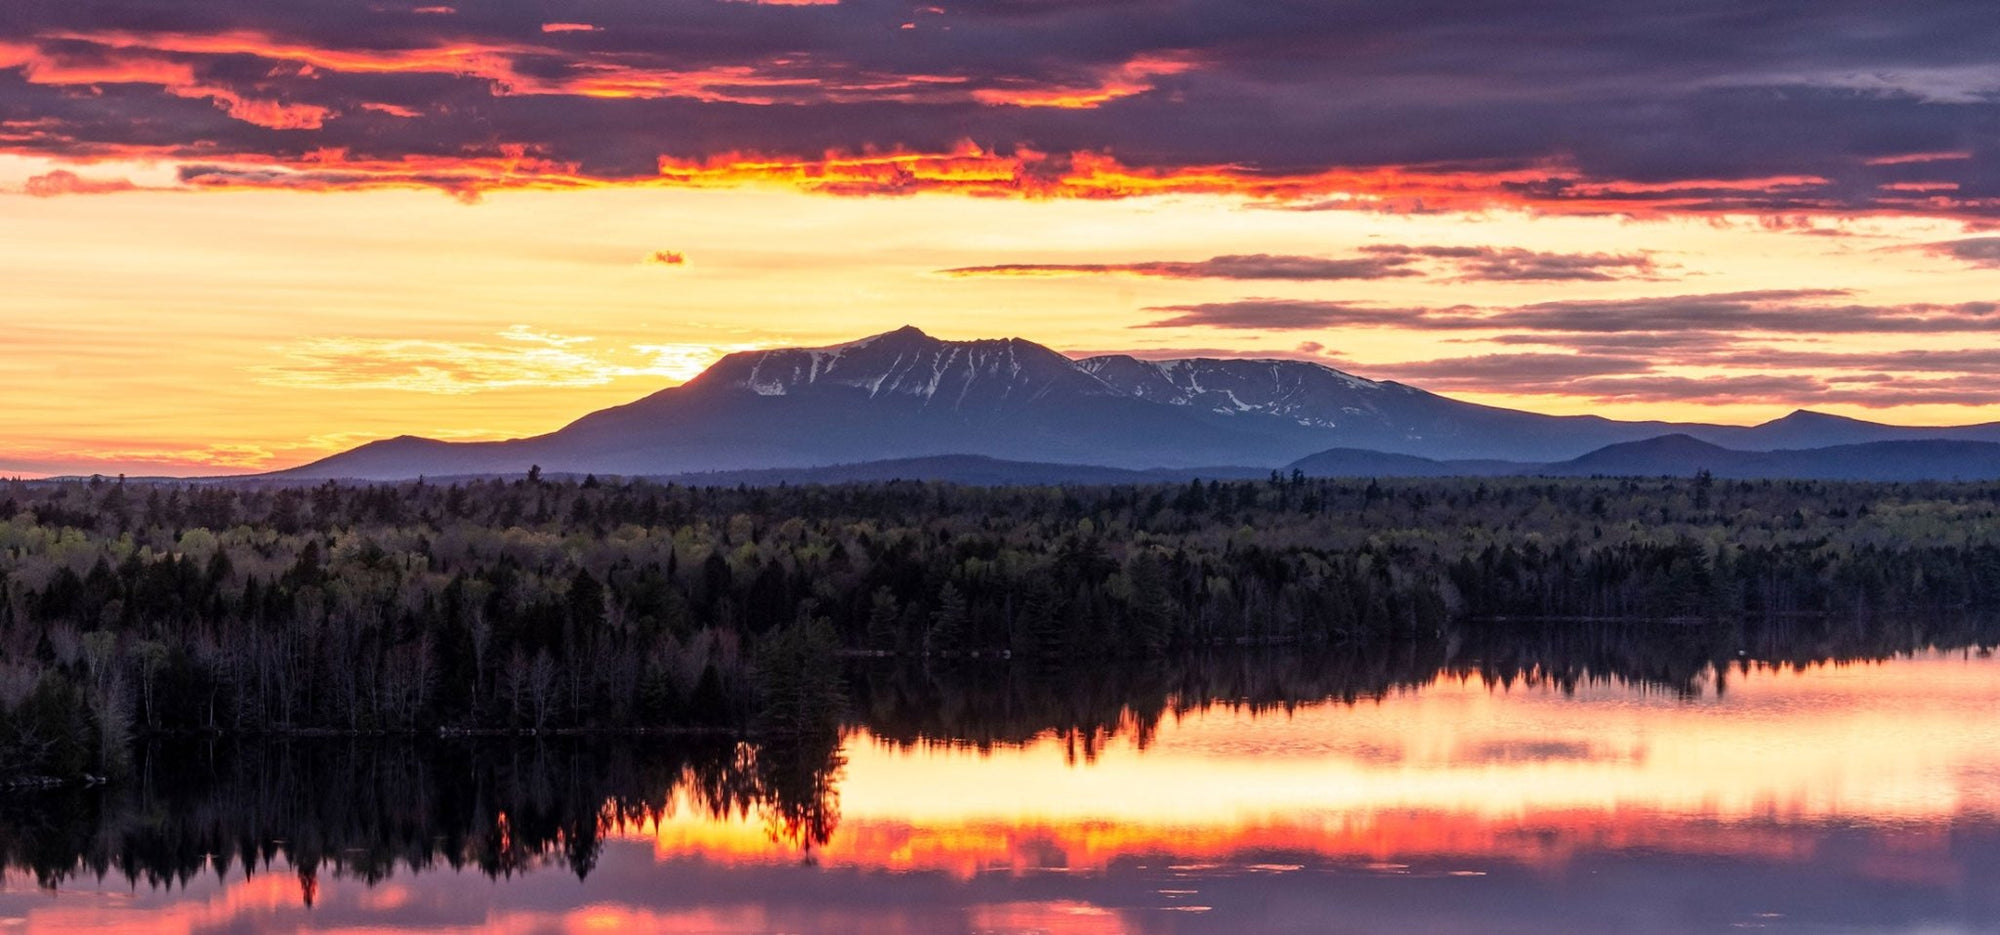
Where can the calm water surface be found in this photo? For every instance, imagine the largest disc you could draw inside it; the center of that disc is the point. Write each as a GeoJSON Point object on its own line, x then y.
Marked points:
{"type": "Point", "coordinates": [1856, 798]}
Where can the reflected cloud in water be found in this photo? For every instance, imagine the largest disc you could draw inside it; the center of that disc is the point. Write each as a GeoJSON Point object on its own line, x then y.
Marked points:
{"type": "Point", "coordinates": [1463, 795]}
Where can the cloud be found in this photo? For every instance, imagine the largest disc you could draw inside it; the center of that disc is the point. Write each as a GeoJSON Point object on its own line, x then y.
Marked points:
{"type": "Point", "coordinates": [113, 459]}
{"type": "Point", "coordinates": [1961, 360]}
{"type": "Point", "coordinates": [1977, 251]}
{"type": "Point", "coordinates": [522, 357]}
{"type": "Point", "coordinates": [65, 182]}
{"type": "Point", "coordinates": [1285, 315]}
{"type": "Point", "coordinates": [1466, 264]}
{"type": "Point", "coordinates": [1781, 311]}
{"type": "Point", "coordinates": [1653, 342]}
{"type": "Point", "coordinates": [1812, 107]}
{"type": "Point", "coordinates": [1516, 264]}
{"type": "Point", "coordinates": [1774, 311]}
{"type": "Point", "coordinates": [1786, 389]}
{"type": "Point", "coordinates": [1510, 370]}
{"type": "Point", "coordinates": [1320, 356]}
{"type": "Point", "coordinates": [1255, 266]}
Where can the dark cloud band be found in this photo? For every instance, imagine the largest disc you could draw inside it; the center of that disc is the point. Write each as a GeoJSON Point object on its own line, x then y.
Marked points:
{"type": "Point", "coordinates": [1800, 106]}
{"type": "Point", "coordinates": [1484, 264]}
{"type": "Point", "coordinates": [1776, 311]}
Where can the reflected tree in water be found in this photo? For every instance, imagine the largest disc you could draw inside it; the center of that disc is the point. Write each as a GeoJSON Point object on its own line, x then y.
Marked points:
{"type": "Point", "coordinates": [369, 808]}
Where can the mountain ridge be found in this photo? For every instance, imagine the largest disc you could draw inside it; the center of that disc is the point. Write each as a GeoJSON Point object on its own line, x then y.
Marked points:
{"type": "Point", "coordinates": [904, 394]}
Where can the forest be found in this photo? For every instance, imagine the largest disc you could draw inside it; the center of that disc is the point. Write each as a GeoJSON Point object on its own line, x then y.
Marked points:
{"type": "Point", "coordinates": [536, 605]}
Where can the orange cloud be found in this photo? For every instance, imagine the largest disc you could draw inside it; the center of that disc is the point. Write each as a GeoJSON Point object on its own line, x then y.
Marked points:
{"type": "Point", "coordinates": [1909, 158]}
{"type": "Point", "coordinates": [607, 78]}
{"type": "Point", "coordinates": [392, 110]}
{"type": "Point", "coordinates": [123, 66]}
{"type": "Point", "coordinates": [466, 178]}
{"type": "Point", "coordinates": [274, 115]}
{"type": "Point", "coordinates": [1133, 77]}
{"type": "Point", "coordinates": [65, 182]}
{"type": "Point", "coordinates": [484, 60]}
{"type": "Point", "coordinates": [969, 169]}
{"type": "Point", "coordinates": [38, 67]}
{"type": "Point", "coordinates": [966, 169]}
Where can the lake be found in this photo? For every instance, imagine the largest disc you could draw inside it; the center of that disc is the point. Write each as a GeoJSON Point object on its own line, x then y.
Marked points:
{"type": "Point", "coordinates": [1814, 796]}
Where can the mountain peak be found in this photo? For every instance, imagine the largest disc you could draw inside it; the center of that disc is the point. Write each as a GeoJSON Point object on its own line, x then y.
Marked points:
{"type": "Point", "coordinates": [1808, 417]}
{"type": "Point", "coordinates": [906, 364]}
{"type": "Point", "coordinates": [908, 334]}
{"type": "Point", "coordinates": [1661, 444]}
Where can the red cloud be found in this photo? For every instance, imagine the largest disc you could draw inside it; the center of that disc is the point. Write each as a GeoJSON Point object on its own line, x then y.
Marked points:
{"type": "Point", "coordinates": [125, 65]}
{"type": "Point", "coordinates": [393, 110]}
{"type": "Point", "coordinates": [1390, 112]}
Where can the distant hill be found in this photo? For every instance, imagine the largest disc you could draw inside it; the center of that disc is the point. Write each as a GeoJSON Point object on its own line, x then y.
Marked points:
{"type": "Point", "coordinates": [1356, 462]}
{"type": "Point", "coordinates": [1933, 459]}
{"type": "Point", "coordinates": [974, 470]}
{"type": "Point", "coordinates": [1685, 456]}
{"type": "Point", "coordinates": [906, 395]}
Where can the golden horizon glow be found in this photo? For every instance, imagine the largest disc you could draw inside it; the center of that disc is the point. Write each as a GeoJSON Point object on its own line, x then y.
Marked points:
{"type": "Point", "coordinates": [179, 332]}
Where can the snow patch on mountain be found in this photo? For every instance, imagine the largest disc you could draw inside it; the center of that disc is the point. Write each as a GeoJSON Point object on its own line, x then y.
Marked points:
{"type": "Point", "coordinates": [1307, 393]}
{"type": "Point", "coordinates": [909, 363]}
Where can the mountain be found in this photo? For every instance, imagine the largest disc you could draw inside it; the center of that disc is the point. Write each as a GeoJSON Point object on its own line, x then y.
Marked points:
{"type": "Point", "coordinates": [1360, 413]}
{"type": "Point", "coordinates": [1807, 429]}
{"type": "Point", "coordinates": [903, 394]}
{"type": "Point", "coordinates": [973, 470]}
{"type": "Point", "coordinates": [1667, 455]}
{"type": "Point", "coordinates": [1360, 462]}
{"type": "Point", "coordinates": [1681, 455]}
{"type": "Point", "coordinates": [1390, 417]}
{"type": "Point", "coordinates": [907, 395]}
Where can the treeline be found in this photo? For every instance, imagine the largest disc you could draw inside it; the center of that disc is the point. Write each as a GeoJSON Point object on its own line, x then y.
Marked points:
{"type": "Point", "coordinates": [130, 609]}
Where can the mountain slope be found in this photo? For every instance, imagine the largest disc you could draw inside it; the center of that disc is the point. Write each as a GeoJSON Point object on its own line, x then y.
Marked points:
{"type": "Point", "coordinates": [904, 394]}
{"type": "Point", "coordinates": [1373, 415]}
{"type": "Point", "coordinates": [1680, 455]}
{"type": "Point", "coordinates": [1360, 462]}
{"type": "Point", "coordinates": [973, 470]}
{"type": "Point", "coordinates": [1807, 429]}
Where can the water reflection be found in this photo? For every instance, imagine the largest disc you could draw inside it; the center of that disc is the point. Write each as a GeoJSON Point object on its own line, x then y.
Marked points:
{"type": "Point", "coordinates": [1554, 780]}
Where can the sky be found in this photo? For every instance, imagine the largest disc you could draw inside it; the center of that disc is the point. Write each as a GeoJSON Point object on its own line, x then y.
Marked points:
{"type": "Point", "coordinates": [238, 235]}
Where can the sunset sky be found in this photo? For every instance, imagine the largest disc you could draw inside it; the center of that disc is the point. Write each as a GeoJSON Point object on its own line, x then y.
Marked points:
{"type": "Point", "coordinates": [240, 235]}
